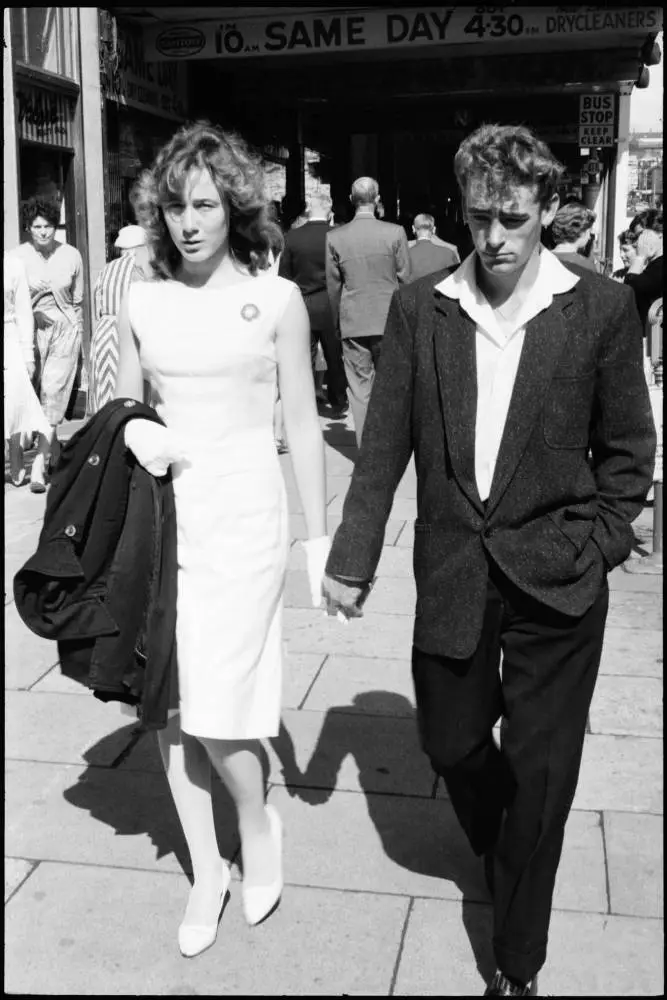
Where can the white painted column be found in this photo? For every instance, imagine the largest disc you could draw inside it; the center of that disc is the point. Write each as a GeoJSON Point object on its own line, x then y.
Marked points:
{"type": "Point", "coordinates": [622, 170]}
{"type": "Point", "coordinates": [10, 153]}
{"type": "Point", "coordinates": [91, 102]}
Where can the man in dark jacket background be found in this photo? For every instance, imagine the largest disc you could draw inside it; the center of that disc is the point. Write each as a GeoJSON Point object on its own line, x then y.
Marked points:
{"type": "Point", "coordinates": [303, 262]}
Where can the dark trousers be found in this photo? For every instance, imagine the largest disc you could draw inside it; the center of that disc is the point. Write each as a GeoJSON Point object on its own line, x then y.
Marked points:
{"type": "Point", "coordinates": [514, 802]}
{"type": "Point", "coordinates": [360, 356]}
{"type": "Point", "coordinates": [322, 331]}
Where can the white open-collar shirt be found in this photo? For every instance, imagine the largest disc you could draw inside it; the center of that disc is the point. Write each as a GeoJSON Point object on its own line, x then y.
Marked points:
{"type": "Point", "coordinates": [499, 341]}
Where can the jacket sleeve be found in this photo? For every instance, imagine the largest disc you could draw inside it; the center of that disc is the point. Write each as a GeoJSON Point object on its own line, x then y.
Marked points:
{"type": "Point", "coordinates": [402, 253]}
{"type": "Point", "coordinates": [285, 269]}
{"type": "Point", "coordinates": [386, 448]}
{"type": "Point", "coordinates": [623, 438]}
{"type": "Point", "coordinates": [334, 281]}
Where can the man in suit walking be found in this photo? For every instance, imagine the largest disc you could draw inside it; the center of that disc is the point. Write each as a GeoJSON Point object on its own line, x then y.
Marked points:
{"type": "Point", "coordinates": [366, 261]}
{"type": "Point", "coordinates": [303, 261]}
{"type": "Point", "coordinates": [519, 387]}
{"type": "Point", "coordinates": [427, 256]}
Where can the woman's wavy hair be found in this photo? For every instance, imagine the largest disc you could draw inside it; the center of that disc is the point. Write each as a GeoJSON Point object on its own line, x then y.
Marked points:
{"type": "Point", "coordinates": [239, 178]}
{"type": "Point", "coordinates": [571, 221]}
{"type": "Point", "coordinates": [502, 157]}
{"type": "Point", "coordinates": [45, 208]}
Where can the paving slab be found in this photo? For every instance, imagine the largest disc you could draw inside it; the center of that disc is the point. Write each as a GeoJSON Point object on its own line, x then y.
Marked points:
{"type": "Point", "coordinates": [16, 872]}
{"type": "Point", "coordinates": [447, 952]}
{"type": "Point", "coordinates": [620, 580]}
{"type": "Point", "coordinates": [403, 508]}
{"type": "Point", "coordinates": [635, 610]}
{"type": "Point", "coordinates": [374, 635]}
{"type": "Point", "coordinates": [634, 845]}
{"type": "Point", "coordinates": [634, 652]}
{"type": "Point", "coordinates": [393, 595]}
{"type": "Point", "coordinates": [27, 656]}
{"type": "Point", "coordinates": [115, 935]}
{"type": "Point", "coordinates": [372, 686]}
{"type": "Point", "coordinates": [338, 751]}
{"type": "Point", "coordinates": [627, 706]}
{"type": "Point", "coordinates": [622, 773]}
{"type": "Point", "coordinates": [55, 682]}
{"type": "Point", "coordinates": [60, 728]}
{"type": "Point", "coordinates": [60, 812]}
{"type": "Point", "coordinates": [387, 843]}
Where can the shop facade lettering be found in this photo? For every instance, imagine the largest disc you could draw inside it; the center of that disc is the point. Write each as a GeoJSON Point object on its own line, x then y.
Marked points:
{"type": "Point", "coordinates": [44, 116]}
{"type": "Point", "coordinates": [388, 29]}
{"type": "Point", "coordinates": [133, 80]}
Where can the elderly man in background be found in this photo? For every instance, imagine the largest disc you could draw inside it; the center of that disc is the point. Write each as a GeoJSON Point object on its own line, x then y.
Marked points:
{"type": "Point", "coordinates": [366, 261]}
{"type": "Point", "coordinates": [110, 288]}
{"type": "Point", "coordinates": [427, 256]}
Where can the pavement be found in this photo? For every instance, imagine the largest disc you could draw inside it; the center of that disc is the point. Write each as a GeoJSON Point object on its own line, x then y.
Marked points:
{"type": "Point", "coordinates": [383, 896]}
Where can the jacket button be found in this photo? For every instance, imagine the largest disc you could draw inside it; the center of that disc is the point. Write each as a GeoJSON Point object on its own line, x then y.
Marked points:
{"type": "Point", "coordinates": [129, 403]}
{"type": "Point", "coordinates": [94, 460]}
{"type": "Point", "coordinates": [70, 530]}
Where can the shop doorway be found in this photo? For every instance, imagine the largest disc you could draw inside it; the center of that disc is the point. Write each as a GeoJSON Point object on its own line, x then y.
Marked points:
{"type": "Point", "coordinates": [47, 173]}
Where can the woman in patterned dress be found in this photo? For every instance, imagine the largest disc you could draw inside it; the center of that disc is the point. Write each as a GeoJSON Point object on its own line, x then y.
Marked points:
{"type": "Point", "coordinates": [110, 288]}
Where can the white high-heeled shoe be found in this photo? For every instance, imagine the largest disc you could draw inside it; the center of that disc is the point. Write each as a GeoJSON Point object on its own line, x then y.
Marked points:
{"type": "Point", "coordinates": [193, 939]}
{"type": "Point", "coordinates": [259, 901]}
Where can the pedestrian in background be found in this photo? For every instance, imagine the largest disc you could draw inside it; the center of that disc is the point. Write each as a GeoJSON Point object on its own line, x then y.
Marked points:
{"type": "Point", "coordinates": [23, 414]}
{"type": "Point", "coordinates": [502, 381]}
{"type": "Point", "coordinates": [366, 261]}
{"type": "Point", "coordinates": [433, 237]}
{"type": "Point", "coordinates": [110, 289]}
{"type": "Point", "coordinates": [426, 256]}
{"type": "Point", "coordinates": [645, 273]}
{"type": "Point", "coordinates": [55, 278]}
{"type": "Point", "coordinates": [650, 218]}
{"type": "Point", "coordinates": [304, 261]}
{"type": "Point", "coordinates": [216, 330]}
{"type": "Point", "coordinates": [572, 235]}
{"type": "Point", "coordinates": [628, 251]}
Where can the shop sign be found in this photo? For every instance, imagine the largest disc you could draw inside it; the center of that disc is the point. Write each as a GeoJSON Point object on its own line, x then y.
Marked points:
{"type": "Point", "coordinates": [159, 88]}
{"type": "Point", "coordinates": [597, 120]}
{"type": "Point", "coordinates": [45, 115]}
{"type": "Point", "coordinates": [350, 31]}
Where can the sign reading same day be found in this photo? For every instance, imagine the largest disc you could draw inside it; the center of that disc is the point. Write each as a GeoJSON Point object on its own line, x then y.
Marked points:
{"type": "Point", "coordinates": [597, 120]}
{"type": "Point", "coordinates": [390, 29]}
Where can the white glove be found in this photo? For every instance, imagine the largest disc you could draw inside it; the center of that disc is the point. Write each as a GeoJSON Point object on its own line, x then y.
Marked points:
{"type": "Point", "coordinates": [317, 553]}
{"type": "Point", "coordinates": [153, 445]}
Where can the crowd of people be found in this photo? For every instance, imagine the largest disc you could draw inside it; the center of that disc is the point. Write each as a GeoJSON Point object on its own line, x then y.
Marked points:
{"type": "Point", "coordinates": [533, 443]}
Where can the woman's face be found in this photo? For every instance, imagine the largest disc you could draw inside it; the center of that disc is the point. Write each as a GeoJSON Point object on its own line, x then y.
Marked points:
{"type": "Point", "coordinates": [42, 232]}
{"type": "Point", "coordinates": [628, 252]}
{"type": "Point", "coordinates": [198, 220]}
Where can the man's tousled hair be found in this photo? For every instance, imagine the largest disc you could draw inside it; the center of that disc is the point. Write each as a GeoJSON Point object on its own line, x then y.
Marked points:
{"type": "Point", "coordinates": [503, 157]}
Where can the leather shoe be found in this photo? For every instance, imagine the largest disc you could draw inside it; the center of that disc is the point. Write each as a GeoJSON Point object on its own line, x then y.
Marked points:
{"type": "Point", "coordinates": [502, 987]}
{"type": "Point", "coordinates": [193, 939]}
{"type": "Point", "coordinates": [260, 901]}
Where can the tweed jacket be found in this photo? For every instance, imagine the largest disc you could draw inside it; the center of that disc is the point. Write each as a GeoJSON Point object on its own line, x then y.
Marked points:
{"type": "Point", "coordinates": [574, 466]}
{"type": "Point", "coordinates": [366, 261]}
{"type": "Point", "coordinates": [102, 582]}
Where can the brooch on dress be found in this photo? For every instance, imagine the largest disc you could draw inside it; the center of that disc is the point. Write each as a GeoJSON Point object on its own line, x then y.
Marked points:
{"type": "Point", "coordinates": [250, 312]}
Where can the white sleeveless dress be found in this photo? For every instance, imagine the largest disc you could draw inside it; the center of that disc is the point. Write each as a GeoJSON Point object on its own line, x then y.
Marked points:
{"type": "Point", "coordinates": [210, 354]}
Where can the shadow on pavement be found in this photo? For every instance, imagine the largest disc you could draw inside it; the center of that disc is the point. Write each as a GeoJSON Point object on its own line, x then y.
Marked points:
{"type": "Point", "coordinates": [139, 802]}
{"type": "Point", "coordinates": [408, 836]}
{"type": "Point", "coordinates": [339, 437]}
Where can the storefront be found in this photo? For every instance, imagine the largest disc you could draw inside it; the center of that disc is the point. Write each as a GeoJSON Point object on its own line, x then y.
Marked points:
{"type": "Point", "coordinates": [144, 103]}
{"type": "Point", "coordinates": [391, 92]}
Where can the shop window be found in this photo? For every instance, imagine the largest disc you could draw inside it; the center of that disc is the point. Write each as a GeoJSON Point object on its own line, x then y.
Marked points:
{"type": "Point", "coordinates": [46, 38]}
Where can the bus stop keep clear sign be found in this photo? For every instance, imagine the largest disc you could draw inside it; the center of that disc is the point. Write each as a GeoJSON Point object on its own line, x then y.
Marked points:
{"type": "Point", "coordinates": [597, 120]}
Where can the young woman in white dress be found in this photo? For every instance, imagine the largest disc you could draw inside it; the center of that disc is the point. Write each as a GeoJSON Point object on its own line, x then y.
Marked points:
{"type": "Point", "coordinates": [215, 333]}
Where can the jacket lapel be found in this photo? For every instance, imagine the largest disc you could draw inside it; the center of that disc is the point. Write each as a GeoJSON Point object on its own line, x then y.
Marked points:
{"type": "Point", "coordinates": [544, 342]}
{"type": "Point", "coordinates": [456, 366]}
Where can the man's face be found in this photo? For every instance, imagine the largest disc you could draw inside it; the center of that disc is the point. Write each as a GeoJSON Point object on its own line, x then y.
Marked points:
{"type": "Point", "coordinates": [506, 228]}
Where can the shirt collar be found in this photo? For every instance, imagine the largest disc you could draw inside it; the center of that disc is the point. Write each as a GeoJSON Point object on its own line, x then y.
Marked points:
{"type": "Point", "coordinates": [544, 276]}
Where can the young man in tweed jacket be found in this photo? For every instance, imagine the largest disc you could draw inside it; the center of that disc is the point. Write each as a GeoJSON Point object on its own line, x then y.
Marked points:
{"type": "Point", "coordinates": [518, 386]}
